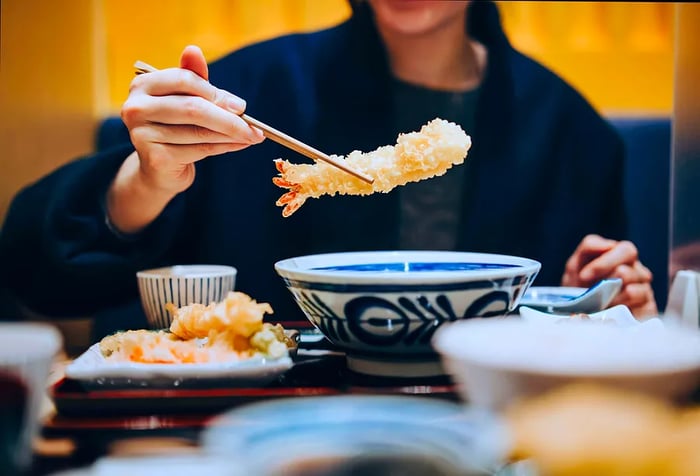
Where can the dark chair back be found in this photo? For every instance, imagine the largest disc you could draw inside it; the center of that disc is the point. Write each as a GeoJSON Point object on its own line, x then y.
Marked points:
{"type": "Point", "coordinates": [647, 192]}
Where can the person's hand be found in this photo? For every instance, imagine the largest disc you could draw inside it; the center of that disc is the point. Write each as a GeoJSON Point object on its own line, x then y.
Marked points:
{"type": "Point", "coordinates": [176, 117]}
{"type": "Point", "coordinates": [598, 258]}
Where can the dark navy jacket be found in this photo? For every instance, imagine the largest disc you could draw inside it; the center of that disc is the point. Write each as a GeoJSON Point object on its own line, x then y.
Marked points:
{"type": "Point", "coordinates": [544, 170]}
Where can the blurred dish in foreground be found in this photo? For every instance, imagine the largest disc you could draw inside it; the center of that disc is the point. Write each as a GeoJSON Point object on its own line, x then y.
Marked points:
{"type": "Point", "coordinates": [344, 435]}
{"type": "Point", "coordinates": [590, 430]}
{"type": "Point", "coordinates": [156, 465]}
{"type": "Point", "coordinates": [498, 361]}
{"type": "Point", "coordinates": [26, 352]}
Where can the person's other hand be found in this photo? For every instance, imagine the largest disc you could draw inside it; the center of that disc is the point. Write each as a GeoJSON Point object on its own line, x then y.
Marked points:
{"type": "Point", "coordinates": [176, 117]}
{"type": "Point", "coordinates": [598, 258]}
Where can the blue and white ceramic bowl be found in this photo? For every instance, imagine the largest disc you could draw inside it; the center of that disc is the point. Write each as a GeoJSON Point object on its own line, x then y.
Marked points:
{"type": "Point", "coordinates": [182, 285]}
{"type": "Point", "coordinates": [358, 434]}
{"type": "Point", "coordinates": [382, 307]}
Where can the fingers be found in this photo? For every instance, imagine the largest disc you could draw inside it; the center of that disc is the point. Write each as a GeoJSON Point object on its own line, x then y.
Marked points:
{"type": "Point", "coordinates": [160, 157]}
{"type": "Point", "coordinates": [638, 273]}
{"type": "Point", "coordinates": [176, 117]}
{"type": "Point", "coordinates": [180, 134]}
{"type": "Point", "coordinates": [188, 110]}
{"type": "Point", "coordinates": [599, 258]}
{"type": "Point", "coordinates": [182, 82]}
{"type": "Point", "coordinates": [633, 295]}
{"type": "Point", "coordinates": [590, 247]}
{"type": "Point", "coordinates": [193, 59]}
{"type": "Point", "coordinates": [639, 298]}
{"type": "Point", "coordinates": [180, 98]}
{"type": "Point", "coordinates": [624, 252]}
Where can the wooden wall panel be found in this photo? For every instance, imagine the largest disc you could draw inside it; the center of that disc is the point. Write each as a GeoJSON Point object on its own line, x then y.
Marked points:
{"type": "Point", "coordinates": [47, 88]}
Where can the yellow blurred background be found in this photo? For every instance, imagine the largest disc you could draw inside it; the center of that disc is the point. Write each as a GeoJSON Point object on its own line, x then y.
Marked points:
{"type": "Point", "coordinates": [67, 64]}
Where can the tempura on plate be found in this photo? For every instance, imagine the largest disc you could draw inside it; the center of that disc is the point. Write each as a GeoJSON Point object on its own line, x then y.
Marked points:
{"type": "Point", "coordinates": [430, 152]}
{"type": "Point", "coordinates": [225, 331]}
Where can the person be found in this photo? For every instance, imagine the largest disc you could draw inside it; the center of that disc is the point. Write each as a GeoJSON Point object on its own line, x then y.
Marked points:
{"type": "Point", "coordinates": [191, 181]}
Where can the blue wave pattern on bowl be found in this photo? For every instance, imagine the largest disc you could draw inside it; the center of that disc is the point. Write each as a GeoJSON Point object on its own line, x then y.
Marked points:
{"type": "Point", "coordinates": [415, 267]}
{"type": "Point", "coordinates": [403, 315]}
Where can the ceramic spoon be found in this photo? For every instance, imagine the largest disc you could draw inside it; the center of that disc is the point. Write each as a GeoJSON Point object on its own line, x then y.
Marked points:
{"type": "Point", "coordinates": [594, 299]}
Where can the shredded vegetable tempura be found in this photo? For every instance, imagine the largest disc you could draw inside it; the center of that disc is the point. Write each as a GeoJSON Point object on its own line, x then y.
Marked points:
{"type": "Point", "coordinates": [225, 331]}
{"type": "Point", "coordinates": [237, 313]}
{"type": "Point", "coordinates": [416, 156]}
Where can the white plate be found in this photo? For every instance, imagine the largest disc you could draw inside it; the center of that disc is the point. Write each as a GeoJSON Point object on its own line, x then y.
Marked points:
{"type": "Point", "coordinates": [620, 315]}
{"type": "Point", "coordinates": [93, 370]}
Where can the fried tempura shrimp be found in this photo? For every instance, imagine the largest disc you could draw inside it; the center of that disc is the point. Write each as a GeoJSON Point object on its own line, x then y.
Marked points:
{"type": "Point", "coordinates": [416, 156]}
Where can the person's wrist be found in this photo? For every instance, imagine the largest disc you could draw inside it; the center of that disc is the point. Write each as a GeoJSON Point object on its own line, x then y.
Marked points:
{"type": "Point", "coordinates": [144, 186]}
{"type": "Point", "coordinates": [132, 201]}
{"type": "Point", "coordinates": [156, 185]}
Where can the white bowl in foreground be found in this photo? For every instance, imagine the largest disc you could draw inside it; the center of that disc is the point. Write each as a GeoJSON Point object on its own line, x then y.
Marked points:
{"type": "Point", "coordinates": [498, 361]}
{"type": "Point", "coordinates": [382, 307]}
{"type": "Point", "coordinates": [26, 352]}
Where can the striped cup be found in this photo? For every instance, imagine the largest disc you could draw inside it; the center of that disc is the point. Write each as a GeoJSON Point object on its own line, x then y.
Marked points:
{"type": "Point", "coordinates": [182, 285]}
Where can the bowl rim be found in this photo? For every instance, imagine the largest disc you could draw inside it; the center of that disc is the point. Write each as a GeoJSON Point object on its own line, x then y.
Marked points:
{"type": "Point", "coordinates": [446, 338]}
{"type": "Point", "coordinates": [291, 268]}
{"type": "Point", "coordinates": [193, 271]}
{"type": "Point", "coordinates": [29, 341]}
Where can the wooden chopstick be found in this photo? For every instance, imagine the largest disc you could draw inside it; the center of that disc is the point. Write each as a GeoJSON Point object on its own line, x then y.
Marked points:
{"type": "Point", "coordinates": [280, 137]}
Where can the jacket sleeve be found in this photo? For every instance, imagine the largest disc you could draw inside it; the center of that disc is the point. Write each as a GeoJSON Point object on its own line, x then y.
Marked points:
{"type": "Point", "coordinates": [58, 255]}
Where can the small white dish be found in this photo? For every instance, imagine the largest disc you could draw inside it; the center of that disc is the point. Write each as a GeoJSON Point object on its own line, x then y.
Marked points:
{"type": "Point", "coordinates": [547, 294]}
{"type": "Point", "coordinates": [570, 299]}
{"type": "Point", "coordinates": [93, 370]}
{"type": "Point", "coordinates": [619, 315]}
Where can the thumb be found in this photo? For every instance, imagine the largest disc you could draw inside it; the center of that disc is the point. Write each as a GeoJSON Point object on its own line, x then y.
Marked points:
{"type": "Point", "coordinates": [193, 59]}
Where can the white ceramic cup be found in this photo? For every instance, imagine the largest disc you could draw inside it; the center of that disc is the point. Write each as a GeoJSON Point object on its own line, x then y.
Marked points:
{"type": "Point", "coordinates": [26, 353]}
{"type": "Point", "coordinates": [182, 285]}
{"type": "Point", "coordinates": [684, 299]}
